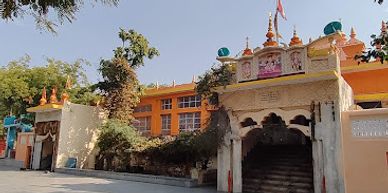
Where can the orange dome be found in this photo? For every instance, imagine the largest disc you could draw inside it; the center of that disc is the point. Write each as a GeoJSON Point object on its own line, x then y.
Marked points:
{"type": "Point", "coordinates": [295, 40]}
{"type": "Point", "coordinates": [247, 51]}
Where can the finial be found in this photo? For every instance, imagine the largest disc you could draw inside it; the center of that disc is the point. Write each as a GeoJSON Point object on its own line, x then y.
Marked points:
{"type": "Point", "coordinates": [43, 99]}
{"type": "Point", "coordinates": [270, 34]}
{"type": "Point", "coordinates": [270, 22]}
{"type": "Point", "coordinates": [352, 33]}
{"type": "Point", "coordinates": [65, 97]}
{"type": "Point", "coordinates": [295, 40]}
{"type": "Point", "coordinates": [247, 42]}
{"type": "Point", "coordinates": [194, 79]}
{"type": "Point", "coordinates": [53, 97]}
{"type": "Point", "coordinates": [173, 83]}
{"type": "Point", "coordinates": [157, 84]}
{"type": "Point", "coordinates": [247, 50]}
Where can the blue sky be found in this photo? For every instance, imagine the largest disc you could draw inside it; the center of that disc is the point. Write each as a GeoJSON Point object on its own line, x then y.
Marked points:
{"type": "Point", "coordinates": [187, 33]}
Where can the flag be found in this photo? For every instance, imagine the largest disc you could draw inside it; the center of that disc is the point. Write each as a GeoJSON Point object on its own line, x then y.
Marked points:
{"type": "Point", "coordinates": [280, 9]}
{"type": "Point", "coordinates": [276, 25]}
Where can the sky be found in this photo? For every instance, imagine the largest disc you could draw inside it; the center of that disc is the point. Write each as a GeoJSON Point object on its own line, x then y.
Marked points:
{"type": "Point", "coordinates": [187, 33]}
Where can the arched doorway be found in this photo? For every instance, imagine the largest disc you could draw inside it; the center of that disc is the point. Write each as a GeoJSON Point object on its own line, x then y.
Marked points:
{"type": "Point", "coordinates": [280, 160]}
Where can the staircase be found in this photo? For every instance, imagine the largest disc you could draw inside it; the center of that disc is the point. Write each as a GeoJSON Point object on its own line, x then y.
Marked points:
{"type": "Point", "coordinates": [278, 169]}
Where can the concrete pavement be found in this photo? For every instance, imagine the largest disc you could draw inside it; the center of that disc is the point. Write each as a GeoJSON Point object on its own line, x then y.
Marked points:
{"type": "Point", "coordinates": [13, 181]}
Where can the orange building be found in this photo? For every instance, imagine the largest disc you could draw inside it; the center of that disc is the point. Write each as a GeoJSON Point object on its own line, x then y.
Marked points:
{"type": "Point", "coordinates": [368, 80]}
{"type": "Point", "coordinates": [171, 109]}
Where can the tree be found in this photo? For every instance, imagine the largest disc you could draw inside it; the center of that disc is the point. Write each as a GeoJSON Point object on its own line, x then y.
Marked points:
{"type": "Point", "coordinates": [22, 85]}
{"type": "Point", "coordinates": [221, 75]}
{"type": "Point", "coordinates": [64, 10]}
{"type": "Point", "coordinates": [120, 87]}
{"type": "Point", "coordinates": [379, 50]}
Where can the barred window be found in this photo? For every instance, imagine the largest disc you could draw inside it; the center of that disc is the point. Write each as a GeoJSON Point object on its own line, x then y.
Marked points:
{"type": "Point", "coordinates": [143, 108]}
{"type": "Point", "coordinates": [189, 101]}
{"type": "Point", "coordinates": [189, 121]}
{"type": "Point", "coordinates": [166, 104]}
{"type": "Point", "coordinates": [166, 122]}
{"type": "Point", "coordinates": [142, 123]}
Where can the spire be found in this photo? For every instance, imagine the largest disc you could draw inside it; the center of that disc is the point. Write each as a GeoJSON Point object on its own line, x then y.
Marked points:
{"type": "Point", "coordinates": [247, 50]}
{"type": "Point", "coordinates": [270, 34]}
{"type": "Point", "coordinates": [173, 83]}
{"type": "Point", "coordinates": [194, 79]}
{"type": "Point", "coordinates": [353, 40]}
{"type": "Point", "coordinates": [295, 40]}
{"type": "Point", "coordinates": [53, 97]}
{"type": "Point", "coordinates": [65, 96]}
{"type": "Point", "coordinates": [43, 99]}
{"type": "Point", "coordinates": [157, 84]}
{"type": "Point", "coordinates": [352, 33]}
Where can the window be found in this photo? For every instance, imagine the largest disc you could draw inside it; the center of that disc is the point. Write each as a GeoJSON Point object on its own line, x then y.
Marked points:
{"type": "Point", "coordinates": [189, 101]}
{"type": "Point", "coordinates": [142, 123]}
{"type": "Point", "coordinates": [166, 122]}
{"type": "Point", "coordinates": [166, 104]}
{"type": "Point", "coordinates": [189, 121]}
{"type": "Point", "coordinates": [143, 108]}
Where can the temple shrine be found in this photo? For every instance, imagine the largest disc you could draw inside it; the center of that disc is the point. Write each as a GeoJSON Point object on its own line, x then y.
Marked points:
{"type": "Point", "coordinates": [305, 117]}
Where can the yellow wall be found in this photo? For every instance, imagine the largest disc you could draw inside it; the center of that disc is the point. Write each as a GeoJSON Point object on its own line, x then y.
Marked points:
{"type": "Point", "coordinates": [365, 161]}
{"type": "Point", "coordinates": [154, 97]}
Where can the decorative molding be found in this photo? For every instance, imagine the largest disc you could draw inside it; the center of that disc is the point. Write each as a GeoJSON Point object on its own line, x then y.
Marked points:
{"type": "Point", "coordinates": [370, 128]}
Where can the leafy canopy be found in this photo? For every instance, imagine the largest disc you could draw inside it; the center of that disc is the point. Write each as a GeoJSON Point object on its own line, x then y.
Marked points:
{"type": "Point", "coordinates": [379, 50]}
{"type": "Point", "coordinates": [120, 85]}
{"type": "Point", "coordinates": [21, 85]}
{"type": "Point", "coordinates": [61, 10]}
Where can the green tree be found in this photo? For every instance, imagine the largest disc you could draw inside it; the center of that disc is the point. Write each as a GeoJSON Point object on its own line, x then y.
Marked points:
{"type": "Point", "coordinates": [120, 85]}
{"type": "Point", "coordinates": [221, 75]}
{"type": "Point", "coordinates": [40, 10]}
{"type": "Point", "coordinates": [22, 85]}
{"type": "Point", "coordinates": [379, 50]}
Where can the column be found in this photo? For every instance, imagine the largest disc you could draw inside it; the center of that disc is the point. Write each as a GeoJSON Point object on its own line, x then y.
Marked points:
{"type": "Point", "coordinates": [237, 166]}
{"type": "Point", "coordinates": [223, 167]}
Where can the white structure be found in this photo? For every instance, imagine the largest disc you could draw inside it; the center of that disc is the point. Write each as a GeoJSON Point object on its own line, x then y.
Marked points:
{"type": "Point", "coordinates": [301, 88]}
{"type": "Point", "coordinates": [63, 132]}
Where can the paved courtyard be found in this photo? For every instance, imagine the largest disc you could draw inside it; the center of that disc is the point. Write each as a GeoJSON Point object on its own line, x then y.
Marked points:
{"type": "Point", "coordinates": [12, 181]}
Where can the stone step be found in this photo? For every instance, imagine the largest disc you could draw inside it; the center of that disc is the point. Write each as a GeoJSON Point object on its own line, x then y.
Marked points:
{"type": "Point", "coordinates": [275, 182]}
{"type": "Point", "coordinates": [282, 167]}
{"type": "Point", "coordinates": [256, 172]}
{"type": "Point", "coordinates": [280, 177]}
{"type": "Point", "coordinates": [276, 189]}
{"type": "Point", "coordinates": [280, 163]}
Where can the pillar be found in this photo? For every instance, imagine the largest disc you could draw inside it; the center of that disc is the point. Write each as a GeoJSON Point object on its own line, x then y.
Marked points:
{"type": "Point", "coordinates": [223, 167]}
{"type": "Point", "coordinates": [237, 166]}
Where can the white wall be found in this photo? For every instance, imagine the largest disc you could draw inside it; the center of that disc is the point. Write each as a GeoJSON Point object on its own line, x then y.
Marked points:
{"type": "Point", "coordinates": [78, 135]}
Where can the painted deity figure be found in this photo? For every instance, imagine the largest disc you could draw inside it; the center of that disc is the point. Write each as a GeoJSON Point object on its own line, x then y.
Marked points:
{"type": "Point", "coordinates": [246, 70]}
{"type": "Point", "coordinates": [269, 66]}
{"type": "Point", "coordinates": [296, 61]}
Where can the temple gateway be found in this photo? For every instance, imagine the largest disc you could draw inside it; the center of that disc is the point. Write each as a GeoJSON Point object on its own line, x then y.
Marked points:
{"type": "Point", "coordinates": [294, 121]}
